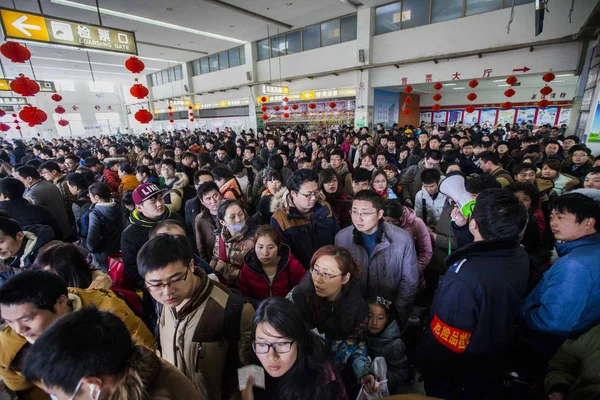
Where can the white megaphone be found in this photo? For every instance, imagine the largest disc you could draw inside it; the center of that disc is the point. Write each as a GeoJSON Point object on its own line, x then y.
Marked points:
{"type": "Point", "coordinates": [454, 187]}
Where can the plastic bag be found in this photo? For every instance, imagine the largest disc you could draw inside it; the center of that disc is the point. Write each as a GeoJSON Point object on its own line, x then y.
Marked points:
{"type": "Point", "coordinates": [379, 367]}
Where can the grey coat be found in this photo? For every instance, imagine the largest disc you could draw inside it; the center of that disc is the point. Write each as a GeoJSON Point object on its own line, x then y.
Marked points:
{"type": "Point", "coordinates": [387, 344]}
{"type": "Point", "coordinates": [391, 272]}
{"type": "Point", "coordinates": [47, 194]}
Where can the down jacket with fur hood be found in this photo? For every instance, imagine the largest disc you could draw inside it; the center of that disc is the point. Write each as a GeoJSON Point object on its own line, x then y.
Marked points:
{"type": "Point", "coordinates": [175, 191]}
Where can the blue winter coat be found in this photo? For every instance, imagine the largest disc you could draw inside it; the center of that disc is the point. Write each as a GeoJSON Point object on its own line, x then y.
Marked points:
{"type": "Point", "coordinates": [389, 345]}
{"type": "Point", "coordinates": [567, 299]}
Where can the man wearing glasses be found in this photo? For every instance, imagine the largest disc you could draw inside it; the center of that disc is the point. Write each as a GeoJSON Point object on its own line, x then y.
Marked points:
{"type": "Point", "coordinates": [306, 224]}
{"type": "Point", "coordinates": [385, 252]}
{"type": "Point", "coordinates": [201, 321]}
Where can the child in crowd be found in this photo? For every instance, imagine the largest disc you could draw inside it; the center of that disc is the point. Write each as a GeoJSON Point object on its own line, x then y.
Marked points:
{"type": "Point", "coordinates": [429, 202]}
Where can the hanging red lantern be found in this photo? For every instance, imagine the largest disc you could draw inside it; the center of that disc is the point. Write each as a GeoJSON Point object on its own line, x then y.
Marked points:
{"type": "Point", "coordinates": [312, 106]}
{"type": "Point", "coordinates": [470, 109]}
{"type": "Point", "coordinates": [4, 127]}
{"type": "Point", "coordinates": [139, 91]}
{"type": "Point", "coordinates": [16, 121]}
{"type": "Point", "coordinates": [171, 121]}
{"type": "Point", "coordinates": [436, 107]}
{"type": "Point", "coordinates": [286, 115]}
{"type": "Point", "coordinates": [548, 77]}
{"type": "Point", "coordinates": [471, 97]}
{"type": "Point", "coordinates": [332, 104]}
{"type": "Point", "coordinates": [60, 110]}
{"type": "Point", "coordinates": [24, 86]}
{"type": "Point", "coordinates": [408, 89]}
{"type": "Point", "coordinates": [509, 92]}
{"type": "Point", "coordinates": [507, 105]}
{"type": "Point", "coordinates": [191, 114]}
{"type": "Point", "coordinates": [264, 108]}
{"type": "Point", "coordinates": [14, 115]}
{"type": "Point", "coordinates": [286, 107]}
{"type": "Point", "coordinates": [285, 99]}
{"type": "Point", "coordinates": [294, 106]}
{"type": "Point", "coordinates": [511, 80]}
{"type": "Point", "coordinates": [33, 115]}
{"type": "Point", "coordinates": [15, 52]}
{"type": "Point", "coordinates": [2, 113]}
{"type": "Point", "coordinates": [406, 111]}
{"type": "Point", "coordinates": [190, 108]}
{"type": "Point", "coordinates": [407, 100]}
{"type": "Point", "coordinates": [543, 103]}
{"type": "Point", "coordinates": [263, 99]}
{"type": "Point", "coordinates": [437, 97]}
{"type": "Point", "coordinates": [191, 119]}
{"type": "Point", "coordinates": [473, 83]}
{"type": "Point", "coordinates": [169, 108]}
{"type": "Point", "coordinates": [276, 108]}
{"type": "Point", "coordinates": [143, 116]}
{"type": "Point", "coordinates": [63, 122]}
{"type": "Point", "coordinates": [134, 65]}
{"type": "Point", "coordinates": [56, 97]}
{"type": "Point", "coordinates": [546, 90]}
{"type": "Point", "coordinates": [18, 127]}
{"type": "Point", "coordinates": [438, 86]}
{"type": "Point", "coordinates": [265, 117]}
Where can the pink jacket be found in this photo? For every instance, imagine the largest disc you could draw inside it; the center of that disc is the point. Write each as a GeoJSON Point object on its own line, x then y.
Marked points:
{"type": "Point", "coordinates": [418, 230]}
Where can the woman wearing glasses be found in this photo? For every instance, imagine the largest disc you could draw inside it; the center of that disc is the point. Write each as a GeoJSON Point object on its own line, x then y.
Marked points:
{"type": "Point", "coordinates": [379, 184]}
{"type": "Point", "coordinates": [330, 300]}
{"type": "Point", "coordinates": [293, 357]}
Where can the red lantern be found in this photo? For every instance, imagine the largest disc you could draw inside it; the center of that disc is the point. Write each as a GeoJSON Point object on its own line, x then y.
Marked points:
{"type": "Point", "coordinates": [407, 100]}
{"type": "Point", "coordinates": [24, 86]}
{"type": "Point", "coordinates": [506, 105]}
{"type": "Point", "coordinates": [190, 108]}
{"type": "Point", "coordinates": [276, 108]}
{"type": "Point", "coordinates": [170, 114]}
{"type": "Point", "coordinates": [511, 80]}
{"type": "Point", "coordinates": [286, 115]}
{"type": "Point", "coordinates": [169, 108]}
{"type": "Point", "coordinates": [436, 107]}
{"type": "Point", "coordinates": [470, 109]}
{"type": "Point", "coordinates": [18, 127]}
{"type": "Point", "coordinates": [4, 127]}
{"type": "Point", "coordinates": [63, 122]}
{"type": "Point", "coordinates": [33, 115]}
{"type": "Point", "coordinates": [60, 110]}
{"type": "Point", "coordinates": [406, 111]}
{"type": "Point", "coordinates": [548, 77]}
{"type": "Point", "coordinates": [191, 114]}
{"type": "Point", "coordinates": [332, 104]}
{"type": "Point", "coordinates": [2, 113]}
{"type": "Point", "coordinates": [143, 116]}
{"type": "Point", "coordinates": [286, 107]}
{"type": "Point", "coordinates": [294, 106]}
{"type": "Point", "coordinates": [285, 99]}
{"type": "Point", "coordinates": [191, 119]}
{"type": "Point", "coordinates": [473, 83]}
{"type": "Point", "coordinates": [408, 89]}
{"type": "Point", "coordinates": [438, 86]}
{"type": "Point", "coordinates": [312, 106]}
{"type": "Point", "coordinates": [56, 97]}
{"type": "Point", "coordinates": [15, 52]}
{"type": "Point", "coordinates": [263, 99]}
{"type": "Point", "coordinates": [265, 117]}
{"type": "Point", "coordinates": [546, 90]}
{"type": "Point", "coordinates": [171, 121]}
{"type": "Point", "coordinates": [139, 91]}
{"type": "Point", "coordinates": [14, 115]}
{"type": "Point", "coordinates": [264, 108]}
{"type": "Point", "coordinates": [543, 103]}
{"type": "Point", "coordinates": [509, 92]}
{"type": "Point", "coordinates": [437, 97]}
{"type": "Point", "coordinates": [134, 65]}
{"type": "Point", "coordinates": [471, 97]}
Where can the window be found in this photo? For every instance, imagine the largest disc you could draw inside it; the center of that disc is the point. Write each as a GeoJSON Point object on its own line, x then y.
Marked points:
{"type": "Point", "coordinates": [171, 73]}
{"type": "Point", "coordinates": [223, 60]}
{"type": "Point", "coordinates": [414, 13]}
{"type": "Point", "coordinates": [330, 32]}
{"type": "Point", "coordinates": [293, 42]}
{"type": "Point", "coordinates": [101, 87]}
{"type": "Point", "coordinates": [278, 46]}
{"type": "Point", "coordinates": [387, 18]}
{"type": "Point", "coordinates": [165, 76]}
{"type": "Point", "coordinates": [262, 46]}
{"type": "Point", "coordinates": [75, 124]}
{"type": "Point", "coordinates": [234, 57]}
{"type": "Point", "coordinates": [204, 65]}
{"type": "Point", "coordinates": [178, 72]}
{"type": "Point", "coordinates": [481, 6]}
{"type": "Point", "coordinates": [196, 67]}
{"type": "Point", "coordinates": [110, 122]}
{"type": "Point", "coordinates": [348, 25]}
{"type": "Point", "coordinates": [213, 61]}
{"type": "Point", "coordinates": [508, 4]}
{"type": "Point", "coordinates": [312, 37]}
{"type": "Point", "coordinates": [64, 86]}
{"type": "Point", "coordinates": [444, 10]}
{"type": "Point", "coordinates": [242, 55]}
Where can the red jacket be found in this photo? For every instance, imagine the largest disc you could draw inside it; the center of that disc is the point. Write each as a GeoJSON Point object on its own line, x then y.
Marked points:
{"type": "Point", "coordinates": [254, 283]}
{"type": "Point", "coordinates": [111, 178]}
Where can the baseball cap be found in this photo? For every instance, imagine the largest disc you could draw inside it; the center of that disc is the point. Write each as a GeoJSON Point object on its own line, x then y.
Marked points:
{"type": "Point", "coordinates": [144, 192]}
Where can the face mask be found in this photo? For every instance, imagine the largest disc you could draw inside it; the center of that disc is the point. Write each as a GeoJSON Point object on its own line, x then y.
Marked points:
{"type": "Point", "coordinates": [95, 392]}
{"type": "Point", "coordinates": [237, 227]}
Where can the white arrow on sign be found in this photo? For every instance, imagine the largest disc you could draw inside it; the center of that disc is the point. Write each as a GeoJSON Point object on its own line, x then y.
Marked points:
{"type": "Point", "coordinates": [22, 26]}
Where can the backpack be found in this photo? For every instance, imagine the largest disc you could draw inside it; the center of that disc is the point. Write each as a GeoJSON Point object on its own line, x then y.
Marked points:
{"type": "Point", "coordinates": [83, 225]}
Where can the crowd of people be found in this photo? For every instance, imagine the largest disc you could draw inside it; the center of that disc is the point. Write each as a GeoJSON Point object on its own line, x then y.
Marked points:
{"type": "Point", "coordinates": [155, 266]}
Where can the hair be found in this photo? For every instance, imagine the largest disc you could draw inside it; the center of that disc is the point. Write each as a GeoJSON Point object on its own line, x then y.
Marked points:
{"type": "Point", "coordinates": [378, 172]}
{"type": "Point", "coordinates": [200, 173]}
{"type": "Point", "coordinates": [337, 152]}
{"type": "Point", "coordinates": [301, 177]}
{"type": "Point", "coordinates": [204, 161]}
{"type": "Point", "coordinates": [225, 204]}
{"type": "Point", "coordinates": [236, 166]}
{"type": "Point", "coordinates": [39, 288]}
{"type": "Point", "coordinates": [188, 154]}
{"type": "Point", "coordinates": [274, 175]}
{"type": "Point", "coordinates": [529, 189]}
{"type": "Point", "coordinates": [101, 190]}
{"type": "Point", "coordinates": [27, 171]}
{"type": "Point", "coordinates": [99, 337]}
{"type": "Point", "coordinates": [553, 164]}
{"type": "Point", "coordinates": [342, 256]}
{"type": "Point", "coordinates": [517, 169]}
{"type": "Point", "coordinates": [251, 149]}
{"type": "Point", "coordinates": [10, 227]}
{"type": "Point", "coordinates": [482, 182]}
{"type": "Point", "coordinates": [326, 176]}
{"type": "Point", "coordinates": [68, 262]}
{"type": "Point", "coordinates": [50, 166]}
{"type": "Point", "coordinates": [509, 214]}
{"type": "Point", "coordinates": [393, 209]}
{"type": "Point", "coordinates": [581, 206]}
{"type": "Point", "coordinates": [275, 162]}
{"type": "Point", "coordinates": [573, 138]}
{"type": "Point", "coordinates": [126, 167]}
{"type": "Point", "coordinates": [222, 173]}
{"type": "Point", "coordinates": [166, 224]}
{"type": "Point", "coordinates": [170, 162]}
{"type": "Point", "coordinates": [593, 171]}
{"type": "Point", "coordinates": [431, 175]}
{"type": "Point", "coordinates": [162, 250]}
{"type": "Point", "coordinates": [304, 160]}
{"type": "Point", "coordinates": [206, 188]}
{"type": "Point", "coordinates": [370, 196]}
{"type": "Point", "coordinates": [73, 157]}
{"type": "Point", "coordinates": [12, 188]}
{"type": "Point", "coordinates": [579, 147]}
{"type": "Point", "coordinates": [270, 231]}
{"type": "Point", "coordinates": [112, 163]}
{"type": "Point", "coordinates": [361, 175]}
{"type": "Point", "coordinates": [78, 180]}
{"type": "Point", "coordinates": [490, 156]}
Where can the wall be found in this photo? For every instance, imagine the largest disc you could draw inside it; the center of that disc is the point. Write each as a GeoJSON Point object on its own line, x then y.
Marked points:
{"type": "Point", "coordinates": [220, 79]}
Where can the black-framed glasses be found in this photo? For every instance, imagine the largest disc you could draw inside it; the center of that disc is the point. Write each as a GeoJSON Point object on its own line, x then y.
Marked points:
{"type": "Point", "coordinates": [314, 194]}
{"type": "Point", "coordinates": [279, 348]}
{"type": "Point", "coordinates": [323, 275]}
{"type": "Point", "coordinates": [175, 283]}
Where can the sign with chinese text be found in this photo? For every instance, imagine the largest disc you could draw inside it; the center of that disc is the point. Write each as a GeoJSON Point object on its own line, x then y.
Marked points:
{"type": "Point", "coordinates": [41, 28]}
{"type": "Point", "coordinates": [271, 89]}
{"type": "Point", "coordinates": [223, 104]}
{"type": "Point", "coordinates": [13, 101]}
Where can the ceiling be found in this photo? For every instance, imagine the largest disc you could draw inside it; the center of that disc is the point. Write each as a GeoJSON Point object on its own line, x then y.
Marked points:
{"type": "Point", "coordinates": [168, 46]}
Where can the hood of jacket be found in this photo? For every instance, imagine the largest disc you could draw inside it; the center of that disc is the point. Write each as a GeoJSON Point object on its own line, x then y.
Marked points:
{"type": "Point", "coordinates": [140, 371]}
{"type": "Point", "coordinates": [252, 261]}
{"type": "Point", "coordinates": [129, 180]}
{"type": "Point", "coordinates": [137, 218]}
{"type": "Point", "coordinates": [231, 184]}
{"type": "Point", "coordinates": [408, 217]}
{"type": "Point", "coordinates": [343, 170]}
{"type": "Point", "coordinates": [199, 296]}
{"type": "Point", "coordinates": [35, 236]}
{"type": "Point", "coordinates": [279, 200]}
{"type": "Point", "coordinates": [100, 280]}
{"type": "Point", "coordinates": [179, 182]}
{"type": "Point", "coordinates": [110, 211]}
{"type": "Point", "coordinates": [564, 248]}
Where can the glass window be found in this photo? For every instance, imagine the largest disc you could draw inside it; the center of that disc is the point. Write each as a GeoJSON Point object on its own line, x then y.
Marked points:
{"type": "Point", "coordinates": [311, 37]}
{"type": "Point", "coordinates": [508, 4]}
{"type": "Point", "coordinates": [444, 10]}
{"type": "Point", "coordinates": [213, 61]}
{"type": "Point", "coordinates": [204, 65]}
{"type": "Point", "coordinates": [165, 76]}
{"type": "Point", "coordinates": [387, 18]}
{"type": "Point", "coordinates": [278, 46]}
{"type": "Point", "coordinates": [330, 32]}
{"type": "Point", "coordinates": [158, 78]}
{"type": "Point", "coordinates": [234, 57]}
{"type": "Point", "coordinates": [223, 60]}
{"type": "Point", "coordinates": [414, 13]}
{"type": "Point", "coordinates": [348, 28]}
{"type": "Point", "coordinates": [178, 72]}
{"type": "Point", "coordinates": [481, 6]}
{"type": "Point", "coordinates": [242, 55]}
{"type": "Point", "coordinates": [294, 42]}
{"type": "Point", "coordinates": [196, 67]}
{"type": "Point", "coordinates": [263, 49]}
{"type": "Point", "coordinates": [171, 72]}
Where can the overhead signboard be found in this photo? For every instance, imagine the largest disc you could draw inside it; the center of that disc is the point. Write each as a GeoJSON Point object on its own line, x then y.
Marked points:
{"type": "Point", "coordinates": [45, 86]}
{"type": "Point", "coordinates": [311, 95]}
{"type": "Point", "coordinates": [42, 28]}
{"type": "Point", "coordinates": [272, 89]}
{"type": "Point", "coordinates": [13, 101]}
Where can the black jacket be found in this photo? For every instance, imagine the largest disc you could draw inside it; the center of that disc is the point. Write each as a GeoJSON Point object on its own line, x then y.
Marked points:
{"type": "Point", "coordinates": [27, 214]}
{"type": "Point", "coordinates": [104, 232]}
{"type": "Point", "coordinates": [192, 209]}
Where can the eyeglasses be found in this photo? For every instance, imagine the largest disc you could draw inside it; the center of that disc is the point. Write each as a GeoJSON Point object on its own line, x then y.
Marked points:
{"type": "Point", "coordinates": [380, 181]}
{"type": "Point", "coordinates": [323, 275]}
{"type": "Point", "coordinates": [278, 348]}
{"type": "Point", "coordinates": [175, 283]}
{"type": "Point", "coordinates": [314, 194]}
{"type": "Point", "coordinates": [362, 214]}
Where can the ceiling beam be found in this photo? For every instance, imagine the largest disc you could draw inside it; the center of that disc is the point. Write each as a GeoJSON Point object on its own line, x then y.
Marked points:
{"type": "Point", "coordinates": [251, 14]}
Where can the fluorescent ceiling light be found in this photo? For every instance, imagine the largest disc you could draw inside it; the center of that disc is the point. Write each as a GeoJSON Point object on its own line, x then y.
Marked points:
{"type": "Point", "coordinates": [449, 84]}
{"type": "Point", "coordinates": [457, 88]}
{"type": "Point", "coordinates": [503, 85]}
{"type": "Point", "coordinates": [564, 75]}
{"type": "Point", "coordinates": [82, 70]}
{"type": "Point", "coordinates": [137, 18]}
{"type": "Point", "coordinates": [559, 81]}
{"type": "Point", "coordinates": [499, 80]}
{"type": "Point", "coordinates": [85, 62]}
